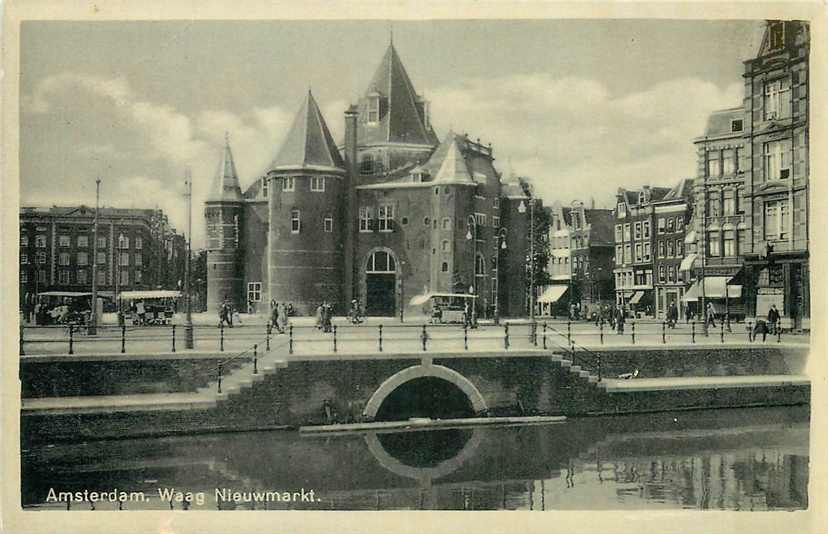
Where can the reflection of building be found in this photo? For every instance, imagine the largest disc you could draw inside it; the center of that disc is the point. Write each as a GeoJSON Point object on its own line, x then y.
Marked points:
{"type": "Point", "coordinates": [136, 248]}
{"type": "Point", "coordinates": [719, 236]}
{"type": "Point", "coordinates": [390, 214]}
{"type": "Point", "coordinates": [777, 178]}
{"type": "Point", "coordinates": [634, 242]}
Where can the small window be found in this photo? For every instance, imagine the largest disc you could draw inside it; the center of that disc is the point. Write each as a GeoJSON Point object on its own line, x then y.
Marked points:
{"type": "Point", "coordinates": [40, 257]}
{"type": "Point", "coordinates": [139, 259]}
{"type": "Point", "coordinates": [329, 224]}
{"type": "Point", "coordinates": [317, 183]}
{"type": "Point", "coordinates": [254, 291]}
{"type": "Point", "coordinates": [82, 277]}
{"type": "Point", "coordinates": [63, 258]}
{"type": "Point", "coordinates": [295, 222]}
{"type": "Point", "coordinates": [139, 276]}
{"type": "Point", "coordinates": [366, 164]}
{"type": "Point", "coordinates": [445, 245]}
{"type": "Point", "coordinates": [63, 241]}
{"type": "Point", "coordinates": [63, 277]}
{"type": "Point", "coordinates": [24, 259]}
{"type": "Point", "coordinates": [123, 242]}
{"type": "Point", "coordinates": [777, 35]}
{"type": "Point", "coordinates": [101, 258]}
{"type": "Point", "coordinates": [373, 109]}
{"type": "Point", "coordinates": [365, 216]}
{"type": "Point", "coordinates": [495, 221]}
{"type": "Point", "coordinates": [83, 258]}
{"type": "Point", "coordinates": [139, 243]}
{"type": "Point", "coordinates": [40, 241]}
{"type": "Point", "coordinates": [124, 259]}
{"type": "Point", "coordinates": [385, 215]}
{"type": "Point", "coordinates": [426, 221]}
{"type": "Point", "coordinates": [446, 223]}
{"type": "Point", "coordinates": [101, 242]}
{"type": "Point", "coordinates": [265, 183]}
{"type": "Point", "coordinates": [444, 267]}
{"type": "Point", "coordinates": [404, 221]}
{"type": "Point", "coordinates": [24, 241]}
{"type": "Point", "coordinates": [288, 183]}
{"type": "Point", "coordinates": [736, 125]}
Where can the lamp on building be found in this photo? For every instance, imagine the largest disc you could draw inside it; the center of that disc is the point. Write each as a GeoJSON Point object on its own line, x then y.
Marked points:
{"type": "Point", "coordinates": [471, 234]}
{"type": "Point", "coordinates": [500, 244]}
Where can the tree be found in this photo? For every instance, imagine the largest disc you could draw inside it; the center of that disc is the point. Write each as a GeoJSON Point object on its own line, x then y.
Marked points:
{"type": "Point", "coordinates": [541, 221]}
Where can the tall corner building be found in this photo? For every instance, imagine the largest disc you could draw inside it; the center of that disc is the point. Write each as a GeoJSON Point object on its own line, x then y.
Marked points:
{"type": "Point", "coordinates": [391, 212]}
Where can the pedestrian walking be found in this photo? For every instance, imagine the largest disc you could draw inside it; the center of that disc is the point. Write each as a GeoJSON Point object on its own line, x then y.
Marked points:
{"type": "Point", "coordinates": [620, 320]}
{"type": "Point", "coordinates": [320, 316]}
{"type": "Point", "coordinates": [773, 319]}
{"type": "Point", "coordinates": [710, 320]}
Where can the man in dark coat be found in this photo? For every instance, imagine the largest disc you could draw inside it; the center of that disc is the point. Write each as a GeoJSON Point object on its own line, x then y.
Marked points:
{"type": "Point", "coordinates": [773, 318]}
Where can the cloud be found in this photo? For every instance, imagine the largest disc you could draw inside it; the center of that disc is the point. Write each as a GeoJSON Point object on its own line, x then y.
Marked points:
{"type": "Point", "coordinates": [575, 138]}
{"type": "Point", "coordinates": [144, 134]}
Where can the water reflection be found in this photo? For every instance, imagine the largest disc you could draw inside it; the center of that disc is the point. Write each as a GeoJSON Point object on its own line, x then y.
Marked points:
{"type": "Point", "coordinates": [729, 459]}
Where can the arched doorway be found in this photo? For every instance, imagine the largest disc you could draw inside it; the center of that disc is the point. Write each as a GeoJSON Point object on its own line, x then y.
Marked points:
{"type": "Point", "coordinates": [380, 284]}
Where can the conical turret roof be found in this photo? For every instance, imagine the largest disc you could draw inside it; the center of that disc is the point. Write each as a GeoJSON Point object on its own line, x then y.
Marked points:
{"type": "Point", "coordinates": [226, 181]}
{"type": "Point", "coordinates": [448, 164]}
{"type": "Point", "coordinates": [402, 113]}
{"type": "Point", "coordinates": [308, 144]}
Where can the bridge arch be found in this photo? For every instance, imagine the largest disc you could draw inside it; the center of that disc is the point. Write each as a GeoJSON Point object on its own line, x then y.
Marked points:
{"type": "Point", "coordinates": [424, 371]}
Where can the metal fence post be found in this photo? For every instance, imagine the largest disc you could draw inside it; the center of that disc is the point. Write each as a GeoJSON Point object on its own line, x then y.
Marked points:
{"type": "Point", "coordinates": [22, 352]}
{"type": "Point", "coordinates": [544, 335]}
{"type": "Point", "coordinates": [534, 333]}
{"type": "Point", "coordinates": [633, 332]}
{"type": "Point", "coordinates": [568, 331]}
{"type": "Point", "coordinates": [290, 339]}
{"type": "Point", "coordinates": [221, 337]}
{"type": "Point", "coordinates": [333, 329]}
{"type": "Point", "coordinates": [722, 331]}
{"type": "Point", "coordinates": [750, 331]}
{"type": "Point", "coordinates": [506, 336]}
{"type": "Point", "coordinates": [663, 333]}
{"type": "Point", "coordinates": [219, 377]}
{"type": "Point", "coordinates": [601, 332]}
{"type": "Point", "coordinates": [71, 339]}
{"type": "Point", "coordinates": [600, 368]}
{"type": "Point", "coordinates": [123, 338]}
{"type": "Point", "coordinates": [255, 359]}
{"type": "Point", "coordinates": [380, 338]}
{"type": "Point", "coordinates": [424, 336]}
{"type": "Point", "coordinates": [267, 342]}
{"type": "Point", "coordinates": [173, 338]}
{"type": "Point", "coordinates": [465, 336]}
{"type": "Point", "coordinates": [778, 333]}
{"type": "Point", "coordinates": [692, 331]}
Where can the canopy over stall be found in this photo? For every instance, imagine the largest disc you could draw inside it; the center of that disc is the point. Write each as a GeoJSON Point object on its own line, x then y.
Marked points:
{"type": "Point", "coordinates": [715, 287]}
{"type": "Point", "coordinates": [552, 294]}
{"type": "Point", "coordinates": [147, 295]}
{"type": "Point", "coordinates": [419, 300]}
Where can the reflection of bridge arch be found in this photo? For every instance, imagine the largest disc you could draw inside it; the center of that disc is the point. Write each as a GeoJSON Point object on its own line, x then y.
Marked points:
{"type": "Point", "coordinates": [422, 371]}
{"type": "Point", "coordinates": [425, 474]}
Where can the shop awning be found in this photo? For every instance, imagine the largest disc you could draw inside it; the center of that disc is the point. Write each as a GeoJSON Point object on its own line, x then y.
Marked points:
{"type": "Point", "coordinates": [156, 294]}
{"type": "Point", "coordinates": [636, 298]}
{"type": "Point", "coordinates": [715, 287]}
{"type": "Point", "coordinates": [552, 294]}
{"type": "Point", "coordinates": [687, 262]}
{"type": "Point", "coordinates": [419, 300]}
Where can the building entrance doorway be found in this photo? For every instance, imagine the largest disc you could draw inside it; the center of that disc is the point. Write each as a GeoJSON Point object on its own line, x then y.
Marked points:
{"type": "Point", "coordinates": [380, 284]}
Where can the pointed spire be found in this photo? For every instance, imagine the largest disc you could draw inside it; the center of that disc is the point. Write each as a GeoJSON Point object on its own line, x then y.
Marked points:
{"type": "Point", "coordinates": [309, 143]}
{"type": "Point", "coordinates": [402, 112]}
{"type": "Point", "coordinates": [453, 167]}
{"type": "Point", "coordinates": [226, 181]}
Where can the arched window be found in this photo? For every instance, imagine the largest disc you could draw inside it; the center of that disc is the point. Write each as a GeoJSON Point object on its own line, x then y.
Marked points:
{"type": "Point", "coordinates": [480, 265]}
{"type": "Point", "coordinates": [445, 245]}
{"type": "Point", "coordinates": [446, 223]}
{"type": "Point", "coordinates": [381, 262]}
{"type": "Point", "coordinates": [444, 267]}
{"type": "Point", "coordinates": [295, 222]}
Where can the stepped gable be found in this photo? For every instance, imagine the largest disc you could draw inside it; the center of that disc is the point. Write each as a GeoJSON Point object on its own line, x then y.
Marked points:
{"type": "Point", "coordinates": [226, 186]}
{"type": "Point", "coordinates": [402, 114]}
{"type": "Point", "coordinates": [308, 144]}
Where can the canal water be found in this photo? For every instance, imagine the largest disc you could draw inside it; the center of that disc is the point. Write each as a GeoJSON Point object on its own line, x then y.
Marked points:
{"type": "Point", "coordinates": [746, 459]}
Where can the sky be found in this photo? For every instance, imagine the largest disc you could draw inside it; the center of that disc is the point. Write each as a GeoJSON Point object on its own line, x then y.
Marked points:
{"type": "Point", "coordinates": [582, 107]}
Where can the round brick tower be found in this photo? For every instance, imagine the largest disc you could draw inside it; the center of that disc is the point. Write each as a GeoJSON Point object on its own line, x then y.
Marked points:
{"type": "Point", "coordinates": [224, 211]}
{"type": "Point", "coordinates": [307, 214]}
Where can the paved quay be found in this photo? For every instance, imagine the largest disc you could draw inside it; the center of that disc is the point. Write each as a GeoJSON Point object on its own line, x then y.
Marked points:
{"type": "Point", "coordinates": [613, 385]}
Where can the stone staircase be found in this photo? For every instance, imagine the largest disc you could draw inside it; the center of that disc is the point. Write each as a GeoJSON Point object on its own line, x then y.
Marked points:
{"type": "Point", "coordinates": [243, 377]}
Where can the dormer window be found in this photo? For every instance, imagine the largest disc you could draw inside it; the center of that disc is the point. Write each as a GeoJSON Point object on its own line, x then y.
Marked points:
{"type": "Point", "coordinates": [373, 108]}
{"type": "Point", "coordinates": [265, 183]}
{"type": "Point", "coordinates": [366, 164]}
{"type": "Point", "coordinates": [736, 125]}
{"type": "Point", "coordinates": [642, 198]}
{"type": "Point", "coordinates": [777, 35]}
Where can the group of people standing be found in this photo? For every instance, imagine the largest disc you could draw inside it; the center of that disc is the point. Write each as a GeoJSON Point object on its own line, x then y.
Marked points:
{"type": "Point", "coordinates": [324, 316]}
{"type": "Point", "coordinates": [279, 313]}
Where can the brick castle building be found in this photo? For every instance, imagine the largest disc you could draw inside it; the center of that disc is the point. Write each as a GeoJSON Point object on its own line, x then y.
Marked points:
{"type": "Point", "coordinates": [389, 213]}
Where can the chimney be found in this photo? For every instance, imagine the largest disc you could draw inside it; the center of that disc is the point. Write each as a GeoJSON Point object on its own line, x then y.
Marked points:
{"type": "Point", "coordinates": [592, 203]}
{"type": "Point", "coordinates": [349, 183]}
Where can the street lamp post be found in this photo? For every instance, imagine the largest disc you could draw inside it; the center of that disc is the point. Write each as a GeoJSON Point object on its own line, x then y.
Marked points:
{"type": "Point", "coordinates": [92, 329]}
{"type": "Point", "coordinates": [522, 209]}
{"type": "Point", "coordinates": [188, 329]}
{"type": "Point", "coordinates": [500, 244]}
{"type": "Point", "coordinates": [471, 222]}
{"type": "Point", "coordinates": [402, 291]}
